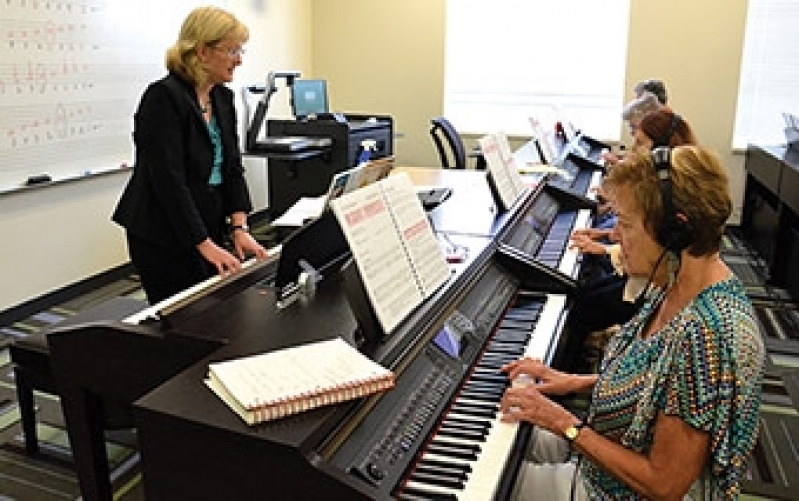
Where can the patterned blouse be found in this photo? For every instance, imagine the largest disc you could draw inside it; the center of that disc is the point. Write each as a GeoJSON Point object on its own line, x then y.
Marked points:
{"type": "Point", "coordinates": [705, 367]}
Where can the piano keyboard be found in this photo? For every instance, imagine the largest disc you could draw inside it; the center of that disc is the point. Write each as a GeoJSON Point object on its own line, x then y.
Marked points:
{"type": "Point", "coordinates": [466, 457]}
{"type": "Point", "coordinates": [198, 290]}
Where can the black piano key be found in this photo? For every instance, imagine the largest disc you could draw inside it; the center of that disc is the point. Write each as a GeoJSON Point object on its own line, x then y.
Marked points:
{"type": "Point", "coordinates": [524, 314]}
{"type": "Point", "coordinates": [491, 357]}
{"type": "Point", "coordinates": [521, 325]}
{"type": "Point", "coordinates": [494, 365]}
{"type": "Point", "coordinates": [411, 497]}
{"type": "Point", "coordinates": [484, 388]}
{"type": "Point", "coordinates": [465, 424]}
{"type": "Point", "coordinates": [506, 344]}
{"type": "Point", "coordinates": [462, 453]}
{"type": "Point", "coordinates": [441, 464]}
{"type": "Point", "coordinates": [490, 376]}
{"type": "Point", "coordinates": [478, 385]}
{"type": "Point", "coordinates": [510, 338]}
{"type": "Point", "coordinates": [433, 479]}
{"type": "Point", "coordinates": [446, 432]}
{"type": "Point", "coordinates": [474, 412]}
{"type": "Point", "coordinates": [450, 472]}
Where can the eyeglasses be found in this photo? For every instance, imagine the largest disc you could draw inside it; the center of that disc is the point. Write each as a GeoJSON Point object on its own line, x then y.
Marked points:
{"type": "Point", "coordinates": [231, 53]}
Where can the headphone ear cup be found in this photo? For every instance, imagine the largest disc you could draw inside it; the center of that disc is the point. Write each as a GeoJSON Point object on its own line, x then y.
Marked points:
{"type": "Point", "coordinates": [676, 233]}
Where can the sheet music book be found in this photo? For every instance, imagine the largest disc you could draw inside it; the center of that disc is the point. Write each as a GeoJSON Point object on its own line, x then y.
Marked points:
{"type": "Point", "coordinates": [399, 258]}
{"type": "Point", "coordinates": [502, 167]}
{"type": "Point", "coordinates": [280, 383]}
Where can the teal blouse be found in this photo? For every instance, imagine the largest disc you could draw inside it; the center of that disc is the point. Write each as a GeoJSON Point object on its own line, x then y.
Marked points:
{"type": "Point", "coordinates": [216, 138]}
{"type": "Point", "coordinates": [705, 367]}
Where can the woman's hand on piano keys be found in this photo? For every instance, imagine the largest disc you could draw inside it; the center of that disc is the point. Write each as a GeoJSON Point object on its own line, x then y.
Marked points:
{"type": "Point", "coordinates": [246, 245]}
{"type": "Point", "coordinates": [533, 372]}
{"type": "Point", "coordinates": [529, 404]}
{"type": "Point", "coordinates": [586, 245]}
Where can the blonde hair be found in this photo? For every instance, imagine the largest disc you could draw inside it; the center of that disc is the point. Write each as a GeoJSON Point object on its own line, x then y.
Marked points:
{"type": "Point", "coordinates": [204, 25]}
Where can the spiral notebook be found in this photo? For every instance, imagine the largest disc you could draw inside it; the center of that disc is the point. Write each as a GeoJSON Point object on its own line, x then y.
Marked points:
{"type": "Point", "coordinates": [280, 383]}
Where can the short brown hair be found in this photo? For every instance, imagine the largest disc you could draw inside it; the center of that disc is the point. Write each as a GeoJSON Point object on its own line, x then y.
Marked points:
{"type": "Point", "coordinates": [203, 25]}
{"type": "Point", "coordinates": [699, 188]}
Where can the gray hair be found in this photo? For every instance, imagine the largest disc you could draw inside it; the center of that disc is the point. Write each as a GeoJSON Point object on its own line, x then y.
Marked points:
{"type": "Point", "coordinates": [656, 87]}
{"type": "Point", "coordinates": [640, 106]}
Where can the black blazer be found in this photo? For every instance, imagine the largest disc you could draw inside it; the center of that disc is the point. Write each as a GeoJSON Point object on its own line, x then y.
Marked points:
{"type": "Point", "coordinates": [167, 200]}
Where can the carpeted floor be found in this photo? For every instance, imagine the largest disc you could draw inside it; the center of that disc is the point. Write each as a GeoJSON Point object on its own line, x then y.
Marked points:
{"type": "Point", "coordinates": [50, 475]}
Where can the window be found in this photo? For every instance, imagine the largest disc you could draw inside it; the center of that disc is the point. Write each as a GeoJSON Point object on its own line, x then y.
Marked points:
{"type": "Point", "coordinates": [509, 60]}
{"type": "Point", "coordinates": [769, 83]}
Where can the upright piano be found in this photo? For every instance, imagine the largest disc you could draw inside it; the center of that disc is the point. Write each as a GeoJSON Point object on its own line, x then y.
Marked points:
{"type": "Point", "coordinates": [437, 434]}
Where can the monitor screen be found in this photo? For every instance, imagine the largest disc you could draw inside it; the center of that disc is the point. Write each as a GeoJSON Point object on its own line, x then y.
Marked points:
{"type": "Point", "coordinates": [309, 97]}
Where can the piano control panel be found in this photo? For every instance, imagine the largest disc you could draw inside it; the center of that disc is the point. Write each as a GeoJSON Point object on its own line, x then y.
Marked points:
{"type": "Point", "coordinates": [406, 415]}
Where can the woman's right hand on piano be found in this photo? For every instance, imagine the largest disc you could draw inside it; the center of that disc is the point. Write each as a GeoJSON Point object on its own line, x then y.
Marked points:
{"type": "Point", "coordinates": [546, 379]}
{"type": "Point", "coordinates": [224, 262]}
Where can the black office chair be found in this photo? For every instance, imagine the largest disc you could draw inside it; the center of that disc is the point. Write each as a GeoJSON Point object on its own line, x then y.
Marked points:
{"type": "Point", "coordinates": [449, 144]}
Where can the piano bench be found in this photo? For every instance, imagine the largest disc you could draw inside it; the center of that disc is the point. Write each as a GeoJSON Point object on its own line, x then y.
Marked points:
{"type": "Point", "coordinates": [32, 372]}
{"type": "Point", "coordinates": [30, 357]}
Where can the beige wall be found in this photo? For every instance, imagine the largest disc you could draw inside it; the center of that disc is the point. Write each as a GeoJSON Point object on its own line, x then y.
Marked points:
{"type": "Point", "coordinates": [388, 57]}
{"type": "Point", "coordinates": [381, 57]}
{"type": "Point", "coordinates": [60, 234]}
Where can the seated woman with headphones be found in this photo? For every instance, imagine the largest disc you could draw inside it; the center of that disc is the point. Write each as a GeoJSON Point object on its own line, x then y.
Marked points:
{"type": "Point", "coordinates": [674, 408]}
{"type": "Point", "coordinates": [609, 298]}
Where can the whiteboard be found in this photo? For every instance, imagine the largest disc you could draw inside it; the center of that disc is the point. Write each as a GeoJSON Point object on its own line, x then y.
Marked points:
{"type": "Point", "coordinates": [71, 75]}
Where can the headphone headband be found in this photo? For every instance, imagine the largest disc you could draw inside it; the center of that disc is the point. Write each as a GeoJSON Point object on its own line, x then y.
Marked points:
{"type": "Point", "coordinates": [665, 139]}
{"type": "Point", "coordinates": [674, 232]}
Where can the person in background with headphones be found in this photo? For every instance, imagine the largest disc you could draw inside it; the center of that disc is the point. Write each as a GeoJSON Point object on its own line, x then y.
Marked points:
{"type": "Point", "coordinates": [610, 299]}
{"type": "Point", "coordinates": [674, 409]}
{"type": "Point", "coordinates": [662, 127]}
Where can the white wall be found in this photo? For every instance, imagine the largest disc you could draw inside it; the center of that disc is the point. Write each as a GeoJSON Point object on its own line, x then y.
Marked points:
{"type": "Point", "coordinates": [388, 57]}
{"type": "Point", "coordinates": [56, 235]}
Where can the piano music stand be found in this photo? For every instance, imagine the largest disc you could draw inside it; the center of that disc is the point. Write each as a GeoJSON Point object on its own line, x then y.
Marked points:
{"type": "Point", "coordinates": [319, 246]}
{"type": "Point", "coordinates": [369, 329]}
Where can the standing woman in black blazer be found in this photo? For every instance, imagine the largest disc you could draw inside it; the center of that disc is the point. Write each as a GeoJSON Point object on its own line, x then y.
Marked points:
{"type": "Point", "coordinates": [188, 192]}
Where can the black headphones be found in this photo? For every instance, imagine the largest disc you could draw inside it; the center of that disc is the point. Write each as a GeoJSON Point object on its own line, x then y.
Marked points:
{"type": "Point", "coordinates": [675, 232]}
{"type": "Point", "coordinates": [665, 139]}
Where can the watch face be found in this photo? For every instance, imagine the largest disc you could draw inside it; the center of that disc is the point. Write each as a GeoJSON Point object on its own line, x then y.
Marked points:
{"type": "Point", "coordinates": [571, 432]}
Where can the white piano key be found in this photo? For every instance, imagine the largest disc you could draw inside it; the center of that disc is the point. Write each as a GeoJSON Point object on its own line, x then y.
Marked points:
{"type": "Point", "coordinates": [548, 325]}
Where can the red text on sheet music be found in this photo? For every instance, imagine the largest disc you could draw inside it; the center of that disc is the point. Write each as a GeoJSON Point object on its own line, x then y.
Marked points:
{"type": "Point", "coordinates": [416, 229]}
{"type": "Point", "coordinates": [362, 213]}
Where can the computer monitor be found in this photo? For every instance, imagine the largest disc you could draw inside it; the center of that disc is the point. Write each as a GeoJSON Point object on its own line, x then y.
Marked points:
{"type": "Point", "coordinates": [309, 97]}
